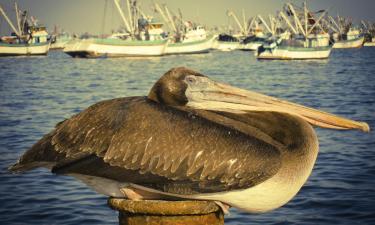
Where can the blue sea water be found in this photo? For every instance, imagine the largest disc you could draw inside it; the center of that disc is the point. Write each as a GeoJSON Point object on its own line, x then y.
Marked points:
{"type": "Point", "coordinates": [38, 92]}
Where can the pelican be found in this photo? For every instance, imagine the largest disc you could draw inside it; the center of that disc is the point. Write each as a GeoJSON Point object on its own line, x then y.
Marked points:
{"type": "Point", "coordinates": [190, 138]}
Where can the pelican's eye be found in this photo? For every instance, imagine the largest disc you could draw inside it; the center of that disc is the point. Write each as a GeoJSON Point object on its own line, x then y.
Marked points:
{"type": "Point", "coordinates": [190, 79]}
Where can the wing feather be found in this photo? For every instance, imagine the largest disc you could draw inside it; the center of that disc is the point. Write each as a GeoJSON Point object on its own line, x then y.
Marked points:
{"type": "Point", "coordinates": [190, 151]}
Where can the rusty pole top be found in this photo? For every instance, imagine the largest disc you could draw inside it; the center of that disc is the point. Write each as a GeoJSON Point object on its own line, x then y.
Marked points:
{"type": "Point", "coordinates": [150, 212]}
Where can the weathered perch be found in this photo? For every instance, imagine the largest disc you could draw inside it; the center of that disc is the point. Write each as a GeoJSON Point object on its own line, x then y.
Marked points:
{"type": "Point", "coordinates": [153, 212]}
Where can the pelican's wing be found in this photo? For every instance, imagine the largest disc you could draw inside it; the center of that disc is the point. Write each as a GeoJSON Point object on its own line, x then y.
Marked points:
{"type": "Point", "coordinates": [184, 151]}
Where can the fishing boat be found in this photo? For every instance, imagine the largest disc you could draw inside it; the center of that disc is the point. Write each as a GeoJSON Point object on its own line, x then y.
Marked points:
{"type": "Point", "coordinates": [194, 41]}
{"type": "Point", "coordinates": [262, 32]}
{"type": "Point", "coordinates": [369, 33]}
{"type": "Point", "coordinates": [28, 38]}
{"type": "Point", "coordinates": [226, 42]}
{"type": "Point", "coordinates": [143, 36]}
{"type": "Point", "coordinates": [344, 35]}
{"type": "Point", "coordinates": [59, 39]}
{"type": "Point", "coordinates": [307, 40]}
{"type": "Point", "coordinates": [370, 43]}
{"type": "Point", "coordinates": [352, 39]}
{"type": "Point", "coordinates": [187, 37]}
{"type": "Point", "coordinates": [114, 47]}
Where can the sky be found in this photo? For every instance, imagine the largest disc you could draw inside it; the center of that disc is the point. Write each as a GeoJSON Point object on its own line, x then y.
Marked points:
{"type": "Point", "coordinates": [79, 16]}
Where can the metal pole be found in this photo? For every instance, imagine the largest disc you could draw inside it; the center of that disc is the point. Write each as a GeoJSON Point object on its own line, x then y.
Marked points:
{"type": "Point", "coordinates": [297, 20]}
{"type": "Point", "coordinates": [230, 13]}
{"type": "Point", "coordinates": [288, 22]}
{"type": "Point", "coordinates": [123, 16]}
{"type": "Point", "coordinates": [170, 18]}
{"type": "Point", "coordinates": [130, 16]}
{"type": "Point", "coordinates": [265, 23]}
{"type": "Point", "coordinates": [9, 22]}
{"type": "Point", "coordinates": [317, 22]}
{"type": "Point", "coordinates": [17, 17]}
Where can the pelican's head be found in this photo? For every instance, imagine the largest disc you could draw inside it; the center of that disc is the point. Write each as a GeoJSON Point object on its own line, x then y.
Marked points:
{"type": "Point", "coordinates": [185, 87]}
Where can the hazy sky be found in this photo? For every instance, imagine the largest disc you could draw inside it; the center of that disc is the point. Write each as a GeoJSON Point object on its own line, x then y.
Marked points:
{"type": "Point", "coordinates": [88, 15]}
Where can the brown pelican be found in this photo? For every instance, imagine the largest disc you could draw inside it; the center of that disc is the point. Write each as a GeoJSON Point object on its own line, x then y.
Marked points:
{"type": "Point", "coordinates": [190, 138]}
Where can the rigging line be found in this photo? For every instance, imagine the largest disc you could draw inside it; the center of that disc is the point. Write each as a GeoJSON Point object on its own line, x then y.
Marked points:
{"type": "Point", "coordinates": [104, 17]}
{"type": "Point", "coordinates": [112, 9]}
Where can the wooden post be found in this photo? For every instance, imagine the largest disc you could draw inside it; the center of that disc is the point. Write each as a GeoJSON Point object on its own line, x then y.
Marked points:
{"type": "Point", "coordinates": [153, 212]}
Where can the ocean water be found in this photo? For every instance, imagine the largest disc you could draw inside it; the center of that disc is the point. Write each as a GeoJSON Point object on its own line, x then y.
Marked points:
{"type": "Point", "coordinates": [38, 92]}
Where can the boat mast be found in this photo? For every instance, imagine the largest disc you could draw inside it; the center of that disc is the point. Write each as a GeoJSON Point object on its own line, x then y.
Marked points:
{"type": "Point", "coordinates": [288, 22]}
{"type": "Point", "coordinates": [265, 23]}
{"type": "Point", "coordinates": [9, 21]}
{"type": "Point", "coordinates": [244, 22]}
{"type": "Point", "coordinates": [123, 16]}
{"type": "Point", "coordinates": [170, 19]}
{"type": "Point", "coordinates": [230, 13]}
{"type": "Point", "coordinates": [296, 19]}
{"type": "Point", "coordinates": [272, 24]}
{"type": "Point", "coordinates": [17, 17]}
{"type": "Point", "coordinates": [334, 22]}
{"type": "Point", "coordinates": [306, 19]}
{"type": "Point", "coordinates": [317, 23]}
{"type": "Point", "coordinates": [166, 20]}
{"type": "Point", "coordinates": [130, 17]}
{"type": "Point", "coordinates": [251, 22]}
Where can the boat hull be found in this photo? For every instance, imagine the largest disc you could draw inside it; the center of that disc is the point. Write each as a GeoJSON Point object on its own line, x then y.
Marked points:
{"type": "Point", "coordinates": [195, 47]}
{"type": "Point", "coordinates": [93, 48]}
{"type": "Point", "coordinates": [369, 44]}
{"type": "Point", "coordinates": [225, 46]}
{"type": "Point", "coordinates": [58, 45]}
{"type": "Point", "coordinates": [251, 46]}
{"type": "Point", "coordinates": [287, 53]}
{"type": "Point", "coordinates": [355, 43]}
{"type": "Point", "coordinates": [24, 49]}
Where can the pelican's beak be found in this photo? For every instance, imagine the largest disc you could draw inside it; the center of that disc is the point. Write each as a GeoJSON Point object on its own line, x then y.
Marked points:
{"type": "Point", "coordinates": [203, 93]}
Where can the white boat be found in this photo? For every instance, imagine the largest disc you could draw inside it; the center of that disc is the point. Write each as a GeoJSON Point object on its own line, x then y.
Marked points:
{"type": "Point", "coordinates": [194, 41]}
{"type": "Point", "coordinates": [186, 37]}
{"type": "Point", "coordinates": [297, 53]}
{"type": "Point", "coordinates": [28, 39]}
{"type": "Point", "coordinates": [109, 47]}
{"type": "Point", "coordinates": [368, 29]}
{"type": "Point", "coordinates": [191, 47]}
{"type": "Point", "coordinates": [305, 43]}
{"type": "Point", "coordinates": [20, 49]}
{"type": "Point", "coordinates": [354, 43]}
{"type": "Point", "coordinates": [226, 43]}
{"type": "Point", "coordinates": [370, 43]}
{"type": "Point", "coordinates": [252, 43]}
{"type": "Point", "coordinates": [352, 39]}
{"type": "Point", "coordinates": [60, 41]}
{"type": "Point", "coordinates": [142, 38]}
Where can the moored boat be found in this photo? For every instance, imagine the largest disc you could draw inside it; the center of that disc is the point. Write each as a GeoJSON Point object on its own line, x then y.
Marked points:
{"type": "Point", "coordinates": [110, 47]}
{"type": "Point", "coordinates": [27, 39]}
{"type": "Point", "coordinates": [306, 42]}
{"type": "Point", "coordinates": [352, 39]}
{"type": "Point", "coordinates": [143, 36]}
{"type": "Point", "coordinates": [190, 47]}
{"type": "Point", "coordinates": [186, 37]}
{"type": "Point", "coordinates": [225, 43]}
{"type": "Point", "coordinates": [368, 29]}
{"type": "Point", "coordinates": [252, 43]}
{"type": "Point", "coordinates": [60, 39]}
{"type": "Point", "coordinates": [370, 43]}
{"type": "Point", "coordinates": [294, 49]}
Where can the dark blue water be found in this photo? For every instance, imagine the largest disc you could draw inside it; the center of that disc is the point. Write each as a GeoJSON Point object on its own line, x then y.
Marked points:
{"type": "Point", "coordinates": [36, 93]}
